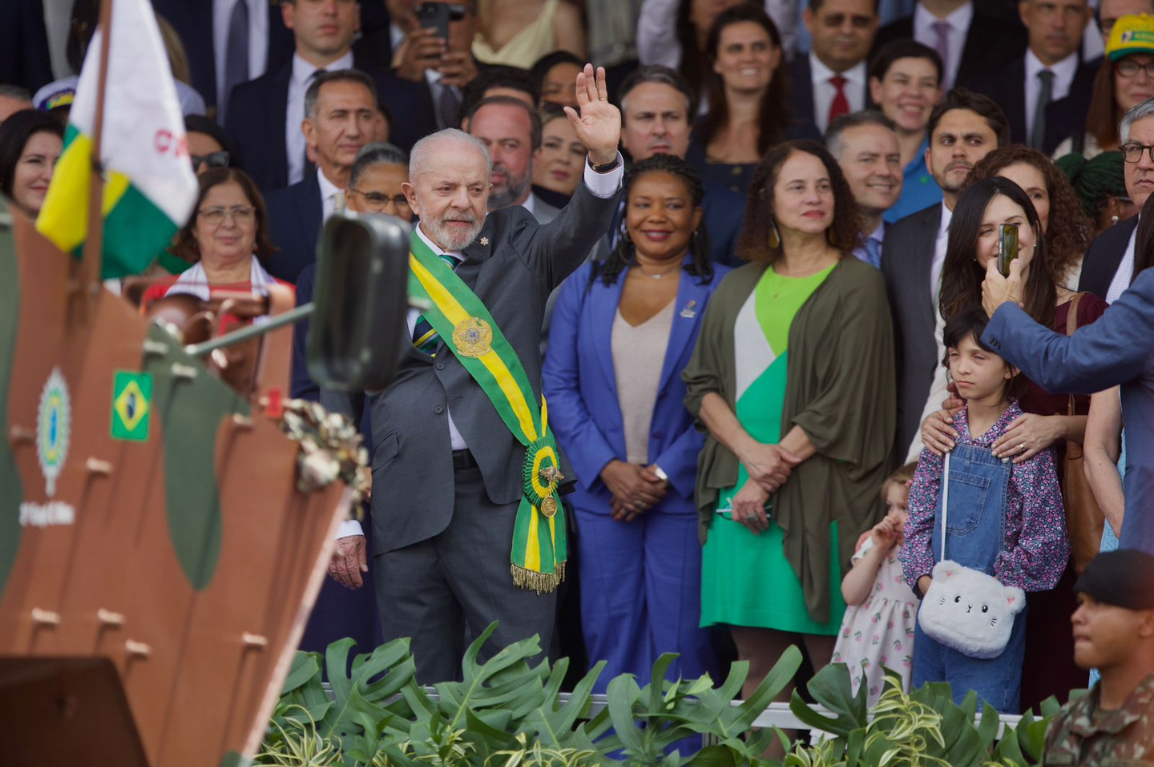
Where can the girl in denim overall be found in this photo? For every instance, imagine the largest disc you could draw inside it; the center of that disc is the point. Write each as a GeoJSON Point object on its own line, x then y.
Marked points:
{"type": "Point", "coordinates": [1006, 519]}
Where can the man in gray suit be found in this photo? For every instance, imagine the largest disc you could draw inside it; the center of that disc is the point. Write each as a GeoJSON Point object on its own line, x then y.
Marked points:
{"type": "Point", "coordinates": [447, 471]}
{"type": "Point", "coordinates": [963, 129]}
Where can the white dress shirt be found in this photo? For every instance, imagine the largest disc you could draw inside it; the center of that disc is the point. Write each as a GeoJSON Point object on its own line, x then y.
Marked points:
{"type": "Point", "coordinates": [938, 386]}
{"type": "Point", "coordinates": [959, 22]}
{"type": "Point", "coordinates": [600, 185]}
{"type": "Point", "coordinates": [257, 40]}
{"type": "Point", "coordinates": [1125, 273]}
{"type": "Point", "coordinates": [1064, 72]}
{"type": "Point", "coordinates": [332, 196]}
{"type": "Point", "coordinates": [940, 255]}
{"type": "Point", "coordinates": [824, 92]}
{"type": "Point", "coordinates": [294, 136]}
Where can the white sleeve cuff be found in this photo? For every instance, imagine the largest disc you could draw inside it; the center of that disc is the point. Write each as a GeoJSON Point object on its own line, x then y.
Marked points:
{"type": "Point", "coordinates": [350, 527]}
{"type": "Point", "coordinates": [605, 185]}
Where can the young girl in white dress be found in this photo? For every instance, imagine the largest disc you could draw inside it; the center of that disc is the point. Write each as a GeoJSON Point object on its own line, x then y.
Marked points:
{"type": "Point", "coordinates": [878, 628]}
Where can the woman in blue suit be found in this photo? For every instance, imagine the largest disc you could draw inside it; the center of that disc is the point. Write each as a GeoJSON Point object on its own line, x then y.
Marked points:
{"type": "Point", "coordinates": [623, 330]}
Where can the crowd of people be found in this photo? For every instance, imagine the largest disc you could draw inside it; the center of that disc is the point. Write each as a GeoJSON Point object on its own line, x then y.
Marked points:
{"type": "Point", "coordinates": [753, 268]}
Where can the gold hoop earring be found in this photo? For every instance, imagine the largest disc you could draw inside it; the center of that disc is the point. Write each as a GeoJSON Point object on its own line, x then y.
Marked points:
{"type": "Point", "coordinates": [830, 237]}
{"type": "Point", "coordinates": [774, 236]}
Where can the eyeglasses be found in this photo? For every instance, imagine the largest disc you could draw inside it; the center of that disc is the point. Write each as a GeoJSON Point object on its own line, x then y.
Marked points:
{"type": "Point", "coordinates": [1133, 152]}
{"type": "Point", "coordinates": [1128, 69]}
{"type": "Point", "coordinates": [457, 11]}
{"type": "Point", "coordinates": [241, 214]}
{"type": "Point", "coordinates": [378, 200]}
{"type": "Point", "coordinates": [212, 160]}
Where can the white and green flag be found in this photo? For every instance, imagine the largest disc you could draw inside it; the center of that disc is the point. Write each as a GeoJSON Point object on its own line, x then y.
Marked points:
{"type": "Point", "coordinates": [150, 187]}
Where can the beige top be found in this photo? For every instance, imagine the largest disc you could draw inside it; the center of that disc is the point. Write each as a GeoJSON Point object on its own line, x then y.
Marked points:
{"type": "Point", "coordinates": [638, 356]}
{"type": "Point", "coordinates": [529, 44]}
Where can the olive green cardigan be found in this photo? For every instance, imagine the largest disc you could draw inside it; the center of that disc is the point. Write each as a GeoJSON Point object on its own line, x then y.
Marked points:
{"type": "Point", "coordinates": [840, 389]}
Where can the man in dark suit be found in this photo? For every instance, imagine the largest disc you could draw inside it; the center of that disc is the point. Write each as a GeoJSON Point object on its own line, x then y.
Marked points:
{"type": "Point", "coordinates": [24, 58]}
{"type": "Point", "coordinates": [655, 108]}
{"type": "Point", "coordinates": [1108, 266]}
{"type": "Point", "coordinates": [973, 45]}
{"type": "Point", "coordinates": [1046, 92]}
{"type": "Point", "coordinates": [963, 129]}
{"type": "Point", "coordinates": [442, 67]}
{"type": "Point", "coordinates": [448, 470]}
{"type": "Point", "coordinates": [265, 114]}
{"type": "Point", "coordinates": [340, 118]}
{"type": "Point", "coordinates": [204, 29]}
{"type": "Point", "coordinates": [832, 79]}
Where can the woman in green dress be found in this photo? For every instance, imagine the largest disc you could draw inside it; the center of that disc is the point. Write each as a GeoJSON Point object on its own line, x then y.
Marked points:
{"type": "Point", "coordinates": [793, 381]}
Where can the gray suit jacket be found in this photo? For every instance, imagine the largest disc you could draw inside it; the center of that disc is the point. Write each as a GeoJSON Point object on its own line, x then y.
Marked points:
{"type": "Point", "coordinates": [907, 257]}
{"type": "Point", "coordinates": [512, 267]}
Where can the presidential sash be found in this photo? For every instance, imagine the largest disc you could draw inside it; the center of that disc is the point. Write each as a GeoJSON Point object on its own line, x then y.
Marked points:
{"type": "Point", "coordinates": [539, 552]}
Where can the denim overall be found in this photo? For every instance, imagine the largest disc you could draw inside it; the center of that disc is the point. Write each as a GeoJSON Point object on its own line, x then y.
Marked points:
{"type": "Point", "coordinates": [978, 486]}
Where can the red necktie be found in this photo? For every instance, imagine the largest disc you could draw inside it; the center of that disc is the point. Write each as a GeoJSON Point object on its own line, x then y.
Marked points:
{"type": "Point", "coordinates": [840, 104]}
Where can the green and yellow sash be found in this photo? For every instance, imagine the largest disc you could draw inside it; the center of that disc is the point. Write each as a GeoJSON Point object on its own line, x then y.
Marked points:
{"type": "Point", "coordinates": [461, 319]}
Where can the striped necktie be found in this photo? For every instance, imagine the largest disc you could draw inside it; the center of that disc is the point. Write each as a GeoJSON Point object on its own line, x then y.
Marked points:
{"type": "Point", "coordinates": [425, 338]}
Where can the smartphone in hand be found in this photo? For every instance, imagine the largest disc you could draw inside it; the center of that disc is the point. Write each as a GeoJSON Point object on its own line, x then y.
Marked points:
{"type": "Point", "coordinates": [435, 16]}
{"type": "Point", "coordinates": [1007, 247]}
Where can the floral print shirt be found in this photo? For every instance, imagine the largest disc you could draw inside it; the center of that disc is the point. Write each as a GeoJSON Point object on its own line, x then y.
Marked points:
{"type": "Point", "coordinates": [1036, 548]}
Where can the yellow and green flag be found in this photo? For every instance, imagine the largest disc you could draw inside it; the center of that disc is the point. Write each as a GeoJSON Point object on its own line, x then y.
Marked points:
{"type": "Point", "coordinates": [150, 188]}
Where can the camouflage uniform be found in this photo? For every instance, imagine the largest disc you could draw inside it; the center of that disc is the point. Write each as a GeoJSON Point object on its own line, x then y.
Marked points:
{"type": "Point", "coordinates": [1081, 734]}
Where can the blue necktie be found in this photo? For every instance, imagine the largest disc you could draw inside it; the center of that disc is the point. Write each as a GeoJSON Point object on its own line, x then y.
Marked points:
{"type": "Point", "coordinates": [425, 338]}
{"type": "Point", "coordinates": [873, 250]}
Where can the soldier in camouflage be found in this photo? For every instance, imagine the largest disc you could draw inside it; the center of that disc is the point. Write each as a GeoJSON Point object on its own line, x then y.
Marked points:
{"type": "Point", "coordinates": [1113, 632]}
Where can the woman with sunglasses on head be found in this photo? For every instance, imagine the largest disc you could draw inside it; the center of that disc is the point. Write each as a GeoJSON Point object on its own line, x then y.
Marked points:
{"type": "Point", "coordinates": [1125, 79]}
{"type": "Point", "coordinates": [208, 145]}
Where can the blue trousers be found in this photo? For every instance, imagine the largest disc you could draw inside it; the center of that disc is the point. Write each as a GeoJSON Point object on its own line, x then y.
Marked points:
{"type": "Point", "coordinates": [997, 681]}
{"type": "Point", "coordinates": [641, 594]}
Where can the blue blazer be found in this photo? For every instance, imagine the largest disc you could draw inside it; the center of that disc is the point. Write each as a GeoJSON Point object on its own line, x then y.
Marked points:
{"type": "Point", "coordinates": [295, 215]}
{"type": "Point", "coordinates": [1118, 349]}
{"type": "Point", "coordinates": [580, 385]}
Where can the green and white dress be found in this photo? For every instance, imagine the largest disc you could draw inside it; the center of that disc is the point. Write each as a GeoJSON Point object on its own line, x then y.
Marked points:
{"type": "Point", "coordinates": [746, 578]}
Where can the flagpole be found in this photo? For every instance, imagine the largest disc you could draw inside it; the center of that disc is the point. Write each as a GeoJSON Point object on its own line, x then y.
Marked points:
{"type": "Point", "coordinates": [94, 240]}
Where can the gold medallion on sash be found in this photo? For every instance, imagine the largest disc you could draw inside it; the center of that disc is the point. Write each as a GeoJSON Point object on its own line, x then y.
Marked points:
{"type": "Point", "coordinates": [473, 337]}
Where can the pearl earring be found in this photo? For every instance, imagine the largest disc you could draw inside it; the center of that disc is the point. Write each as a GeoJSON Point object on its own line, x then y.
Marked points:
{"type": "Point", "coordinates": [1113, 220]}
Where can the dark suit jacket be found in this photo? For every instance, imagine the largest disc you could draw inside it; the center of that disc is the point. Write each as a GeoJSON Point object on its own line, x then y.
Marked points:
{"type": "Point", "coordinates": [24, 57]}
{"type": "Point", "coordinates": [258, 110]}
{"type": "Point", "coordinates": [512, 266]}
{"type": "Point", "coordinates": [990, 46]}
{"type": "Point", "coordinates": [907, 258]}
{"type": "Point", "coordinates": [192, 20]}
{"type": "Point", "coordinates": [1103, 257]}
{"type": "Point", "coordinates": [294, 215]}
{"type": "Point", "coordinates": [801, 92]}
{"type": "Point", "coordinates": [1063, 117]}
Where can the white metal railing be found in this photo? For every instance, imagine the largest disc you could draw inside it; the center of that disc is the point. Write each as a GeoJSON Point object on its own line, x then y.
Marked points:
{"type": "Point", "coordinates": [777, 715]}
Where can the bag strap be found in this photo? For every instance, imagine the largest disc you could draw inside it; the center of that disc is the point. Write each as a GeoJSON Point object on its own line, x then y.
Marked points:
{"type": "Point", "coordinates": [945, 501]}
{"type": "Point", "coordinates": [1071, 326]}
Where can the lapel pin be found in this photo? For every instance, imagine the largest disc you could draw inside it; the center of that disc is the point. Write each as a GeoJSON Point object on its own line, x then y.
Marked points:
{"type": "Point", "coordinates": [485, 241]}
{"type": "Point", "coordinates": [689, 312]}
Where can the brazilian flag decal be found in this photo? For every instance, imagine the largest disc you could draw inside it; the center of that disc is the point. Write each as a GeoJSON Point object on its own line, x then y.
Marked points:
{"type": "Point", "coordinates": [131, 405]}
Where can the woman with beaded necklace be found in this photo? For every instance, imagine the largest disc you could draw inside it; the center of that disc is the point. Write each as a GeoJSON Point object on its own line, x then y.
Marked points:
{"type": "Point", "coordinates": [623, 330]}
